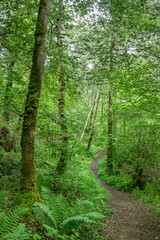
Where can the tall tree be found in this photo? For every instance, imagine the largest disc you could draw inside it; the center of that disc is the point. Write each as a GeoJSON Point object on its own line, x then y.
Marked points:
{"type": "Point", "coordinates": [28, 192]}
{"type": "Point", "coordinates": [61, 104]}
{"type": "Point", "coordinates": [110, 148]}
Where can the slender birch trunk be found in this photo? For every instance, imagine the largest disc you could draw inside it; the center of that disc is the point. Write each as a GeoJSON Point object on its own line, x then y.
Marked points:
{"type": "Point", "coordinates": [85, 125]}
{"type": "Point", "coordinates": [90, 114]}
{"type": "Point", "coordinates": [92, 111]}
{"type": "Point", "coordinates": [28, 192]}
{"type": "Point", "coordinates": [93, 126]}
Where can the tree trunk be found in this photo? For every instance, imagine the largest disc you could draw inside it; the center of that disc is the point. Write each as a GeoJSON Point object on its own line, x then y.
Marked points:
{"type": "Point", "coordinates": [6, 140]}
{"type": "Point", "coordinates": [28, 192]}
{"type": "Point", "coordinates": [61, 166]}
{"type": "Point", "coordinates": [85, 125]}
{"type": "Point", "coordinates": [7, 93]}
{"type": "Point", "coordinates": [92, 111]}
{"type": "Point", "coordinates": [92, 128]}
{"type": "Point", "coordinates": [110, 147]}
{"type": "Point", "coordinates": [90, 114]}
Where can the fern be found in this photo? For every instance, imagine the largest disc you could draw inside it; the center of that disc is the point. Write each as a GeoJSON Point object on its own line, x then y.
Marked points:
{"type": "Point", "coordinates": [57, 204]}
{"type": "Point", "coordinates": [9, 224]}
{"type": "Point", "coordinates": [95, 215]}
{"type": "Point", "coordinates": [80, 207]}
{"type": "Point", "coordinates": [75, 222]}
{"type": "Point", "coordinates": [47, 211]}
{"type": "Point", "coordinates": [58, 216]}
{"type": "Point", "coordinates": [46, 217]}
{"type": "Point", "coordinates": [19, 233]}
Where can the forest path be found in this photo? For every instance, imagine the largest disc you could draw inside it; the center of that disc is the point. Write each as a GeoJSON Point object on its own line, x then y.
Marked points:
{"type": "Point", "coordinates": [132, 219]}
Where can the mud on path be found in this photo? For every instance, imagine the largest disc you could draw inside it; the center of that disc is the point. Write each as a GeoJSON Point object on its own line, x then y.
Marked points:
{"type": "Point", "coordinates": [132, 219]}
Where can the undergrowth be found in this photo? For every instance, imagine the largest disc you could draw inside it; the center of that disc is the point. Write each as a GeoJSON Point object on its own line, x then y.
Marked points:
{"type": "Point", "coordinates": [74, 204]}
{"type": "Point", "coordinates": [124, 181]}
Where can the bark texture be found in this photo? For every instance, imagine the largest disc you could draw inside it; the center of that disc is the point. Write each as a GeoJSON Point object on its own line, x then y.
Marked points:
{"type": "Point", "coordinates": [110, 147]}
{"type": "Point", "coordinates": [6, 140]}
{"type": "Point", "coordinates": [61, 166]}
{"type": "Point", "coordinates": [28, 192]}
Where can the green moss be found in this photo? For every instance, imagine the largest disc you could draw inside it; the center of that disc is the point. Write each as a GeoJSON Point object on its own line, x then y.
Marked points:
{"type": "Point", "coordinates": [28, 196]}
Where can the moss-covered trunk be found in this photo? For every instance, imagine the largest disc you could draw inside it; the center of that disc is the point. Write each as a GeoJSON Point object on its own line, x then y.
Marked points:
{"type": "Point", "coordinates": [61, 166]}
{"type": "Point", "coordinates": [28, 192]}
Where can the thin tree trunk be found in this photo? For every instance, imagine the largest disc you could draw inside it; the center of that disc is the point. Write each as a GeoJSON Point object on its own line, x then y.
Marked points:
{"type": "Point", "coordinates": [110, 133]}
{"type": "Point", "coordinates": [85, 125]}
{"type": "Point", "coordinates": [6, 140]}
{"type": "Point", "coordinates": [92, 111]}
{"type": "Point", "coordinates": [124, 127]}
{"type": "Point", "coordinates": [90, 114]}
{"type": "Point", "coordinates": [110, 148]}
{"type": "Point", "coordinates": [61, 166]}
{"type": "Point", "coordinates": [102, 105]}
{"type": "Point", "coordinates": [92, 129]}
{"type": "Point", "coordinates": [7, 100]}
{"type": "Point", "coordinates": [28, 192]}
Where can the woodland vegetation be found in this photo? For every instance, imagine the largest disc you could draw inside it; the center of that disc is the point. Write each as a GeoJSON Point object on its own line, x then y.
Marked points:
{"type": "Point", "coordinates": [99, 64]}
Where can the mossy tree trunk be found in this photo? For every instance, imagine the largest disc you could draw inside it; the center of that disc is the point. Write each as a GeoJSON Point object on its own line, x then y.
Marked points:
{"type": "Point", "coordinates": [28, 192]}
{"type": "Point", "coordinates": [61, 166]}
{"type": "Point", "coordinates": [6, 140]}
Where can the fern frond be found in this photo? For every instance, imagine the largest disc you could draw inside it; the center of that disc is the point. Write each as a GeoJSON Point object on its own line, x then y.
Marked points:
{"type": "Point", "coordinates": [75, 222]}
{"type": "Point", "coordinates": [47, 211]}
{"type": "Point", "coordinates": [10, 222]}
{"type": "Point", "coordinates": [81, 207]}
{"type": "Point", "coordinates": [95, 215]}
{"type": "Point", "coordinates": [88, 203]}
{"type": "Point", "coordinates": [57, 204]}
{"type": "Point", "coordinates": [19, 233]}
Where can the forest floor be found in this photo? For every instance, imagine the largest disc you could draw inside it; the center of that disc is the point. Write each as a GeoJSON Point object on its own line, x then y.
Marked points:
{"type": "Point", "coordinates": [132, 220]}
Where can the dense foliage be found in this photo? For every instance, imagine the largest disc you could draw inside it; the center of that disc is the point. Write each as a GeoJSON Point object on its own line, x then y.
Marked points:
{"type": "Point", "coordinates": [100, 89]}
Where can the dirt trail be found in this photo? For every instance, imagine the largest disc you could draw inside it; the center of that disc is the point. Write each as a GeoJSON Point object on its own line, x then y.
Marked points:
{"type": "Point", "coordinates": [132, 219]}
